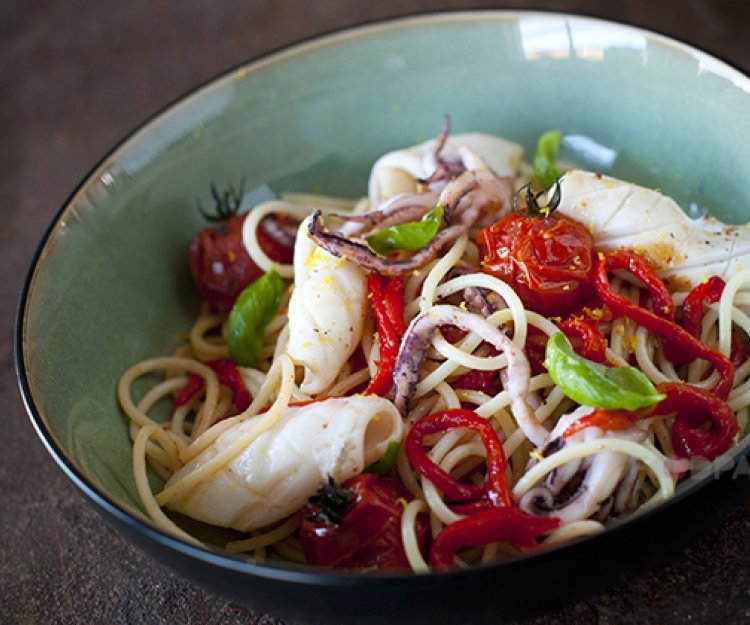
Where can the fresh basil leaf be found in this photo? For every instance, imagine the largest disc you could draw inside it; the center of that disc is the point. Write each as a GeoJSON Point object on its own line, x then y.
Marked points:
{"type": "Point", "coordinates": [544, 158]}
{"type": "Point", "coordinates": [592, 384]}
{"type": "Point", "coordinates": [410, 236]}
{"type": "Point", "coordinates": [253, 310]}
{"type": "Point", "coordinates": [383, 466]}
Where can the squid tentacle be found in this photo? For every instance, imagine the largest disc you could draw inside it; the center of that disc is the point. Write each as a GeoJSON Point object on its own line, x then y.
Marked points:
{"type": "Point", "coordinates": [417, 339]}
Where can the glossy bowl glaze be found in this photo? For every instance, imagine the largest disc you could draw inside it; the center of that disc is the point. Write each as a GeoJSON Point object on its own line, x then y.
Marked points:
{"type": "Point", "coordinates": [109, 284]}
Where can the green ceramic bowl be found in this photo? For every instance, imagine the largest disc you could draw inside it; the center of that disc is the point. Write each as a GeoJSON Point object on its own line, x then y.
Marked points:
{"type": "Point", "coordinates": [110, 285]}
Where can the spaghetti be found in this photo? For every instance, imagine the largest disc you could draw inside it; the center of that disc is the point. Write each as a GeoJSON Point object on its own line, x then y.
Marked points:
{"type": "Point", "coordinates": [472, 346]}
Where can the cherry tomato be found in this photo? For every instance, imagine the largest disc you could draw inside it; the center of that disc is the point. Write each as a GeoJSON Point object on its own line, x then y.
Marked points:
{"type": "Point", "coordinates": [357, 525]}
{"type": "Point", "coordinates": [547, 261]}
{"type": "Point", "coordinates": [220, 265]}
{"type": "Point", "coordinates": [279, 252]}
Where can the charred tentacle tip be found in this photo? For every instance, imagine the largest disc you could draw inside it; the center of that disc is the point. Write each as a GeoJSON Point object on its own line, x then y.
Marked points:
{"type": "Point", "coordinates": [445, 132]}
{"type": "Point", "coordinates": [446, 168]}
{"type": "Point", "coordinates": [332, 243]}
{"type": "Point", "coordinates": [315, 225]}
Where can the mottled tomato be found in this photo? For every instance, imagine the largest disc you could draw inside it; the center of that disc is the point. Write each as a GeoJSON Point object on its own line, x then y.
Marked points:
{"type": "Point", "coordinates": [546, 260]}
{"type": "Point", "coordinates": [357, 524]}
{"type": "Point", "coordinates": [220, 265]}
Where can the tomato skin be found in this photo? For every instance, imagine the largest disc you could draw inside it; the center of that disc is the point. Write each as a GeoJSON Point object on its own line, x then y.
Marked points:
{"type": "Point", "coordinates": [220, 265]}
{"type": "Point", "coordinates": [370, 534]}
{"type": "Point", "coordinates": [547, 261]}
{"type": "Point", "coordinates": [274, 250]}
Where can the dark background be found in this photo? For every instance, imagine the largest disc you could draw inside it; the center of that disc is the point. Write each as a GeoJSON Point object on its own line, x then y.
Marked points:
{"type": "Point", "coordinates": [75, 77]}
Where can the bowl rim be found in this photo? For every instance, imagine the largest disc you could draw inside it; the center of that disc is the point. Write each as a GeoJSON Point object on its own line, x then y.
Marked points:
{"type": "Point", "coordinates": [304, 574]}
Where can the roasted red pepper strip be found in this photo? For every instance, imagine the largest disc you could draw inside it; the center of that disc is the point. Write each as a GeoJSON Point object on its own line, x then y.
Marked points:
{"type": "Point", "coordinates": [387, 301]}
{"type": "Point", "coordinates": [471, 507]}
{"type": "Point", "coordinates": [693, 408]}
{"type": "Point", "coordinates": [692, 308]}
{"type": "Point", "coordinates": [608, 420]}
{"type": "Point", "coordinates": [692, 316]}
{"type": "Point", "coordinates": [489, 526]}
{"type": "Point", "coordinates": [709, 292]}
{"type": "Point", "coordinates": [664, 327]}
{"type": "Point", "coordinates": [592, 344]}
{"type": "Point", "coordinates": [192, 387]}
{"type": "Point", "coordinates": [228, 375]}
{"type": "Point", "coordinates": [496, 484]}
{"type": "Point", "coordinates": [661, 298]}
{"type": "Point", "coordinates": [393, 300]}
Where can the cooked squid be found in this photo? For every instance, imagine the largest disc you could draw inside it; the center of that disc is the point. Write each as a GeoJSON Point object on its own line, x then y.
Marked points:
{"type": "Point", "coordinates": [417, 340]}
{"type": "Point", "coordinates": [422, 328]}
{"type": "Point", "coordinates": [326, 312]}
{"type": "Point", "coordinates": [471, 198]}
{"type": "Point", "coordinates": [400, 171]}
{"type": "Point", "coordinates": [683, 251]}
{"type": "Point", "coordinates": [283, 466]}
{"type": "Point", "coordinates": [584, 487]}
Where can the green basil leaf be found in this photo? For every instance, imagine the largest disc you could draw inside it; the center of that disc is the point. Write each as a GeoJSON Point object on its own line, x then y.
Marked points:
{"type": "Point", "coordinates": [544, 158]}
{"type": "Point", "coordinates": [592, 384]}
{"type": "Point", "coordinates": [253, 310]}
{"type": "Point", "coordinates": [410, 236]}
{"type": "Point", "coordinates": [383, 466]}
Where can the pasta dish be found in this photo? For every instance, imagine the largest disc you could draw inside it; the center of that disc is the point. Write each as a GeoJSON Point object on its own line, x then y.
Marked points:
{"type": "Point", "coordinates": [482, 357]}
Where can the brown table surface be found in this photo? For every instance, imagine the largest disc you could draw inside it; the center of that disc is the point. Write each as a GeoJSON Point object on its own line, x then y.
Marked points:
{"type": "Point", "coordinates": [75, 76]}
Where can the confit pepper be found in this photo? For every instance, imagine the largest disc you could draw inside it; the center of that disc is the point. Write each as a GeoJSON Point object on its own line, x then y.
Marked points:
{"type": "Point", "coordinates": [586, 339]}
{"type": "Point", "coordinates": [608, 420]}
{"type": "Point", "coordinates": [709, 292]}
{"type": "Point", "coordinates": [386, 296]}
{"type": "Point", "coordinates": [694, 408]}
{"type": "Point", "coordinates": [489, 526]}
{"type": "Point", "coordinates": [495, 489]}
{"type": "Point", "coordinates": [683, 342]}
{"type": "Point", "coordinates": [228, 375]}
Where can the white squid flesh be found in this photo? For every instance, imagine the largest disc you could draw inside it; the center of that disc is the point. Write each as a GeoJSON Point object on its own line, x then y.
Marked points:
{"type": "Point", "coordinates": [326, 312]}
{"type": "Point", "coordinates": [281, 468]}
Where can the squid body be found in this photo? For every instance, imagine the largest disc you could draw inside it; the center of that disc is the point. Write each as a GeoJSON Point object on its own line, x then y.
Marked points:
{"type": "Point", "coordinates": [683, 251]}
{"type": "Point", "coordinates": [326, 312]}
{"type": "Point", "coordinates": [271, 478]}
{"type": "Point", "coordinates": [397, 172]}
